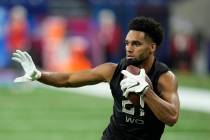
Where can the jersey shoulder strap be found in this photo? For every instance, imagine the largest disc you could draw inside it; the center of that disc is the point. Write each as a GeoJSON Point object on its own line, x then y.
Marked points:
{"type": "Point", "coordinates": [117, 76]}
{"type": "Point", "coordinates": [156, 71]}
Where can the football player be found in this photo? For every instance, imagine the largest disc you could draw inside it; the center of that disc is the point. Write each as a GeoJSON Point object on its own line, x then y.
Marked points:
{"type": "Point", "coordinates": [157, 104]}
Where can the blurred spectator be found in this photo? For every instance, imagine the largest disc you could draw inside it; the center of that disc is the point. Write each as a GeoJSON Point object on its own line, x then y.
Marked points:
{"type": "Point", "coordinates": [36, 44]}
{"type": "Point", "coordinates": [61, 51]}
{"type": "Point", "coordinates": [183, 51]}
{"type": "Point", "coordinates": [18, 36]}
{"type": "Point", "coordinates": [78, 59]}
{"type": "Point", "coordinates": [109, 35]}
{"type": "Point", "coordinates": [53, 35]}
{"type": "Point", "coordinates": [183, 44]}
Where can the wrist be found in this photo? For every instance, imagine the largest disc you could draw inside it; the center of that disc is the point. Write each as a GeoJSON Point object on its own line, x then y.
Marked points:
{"type": "Point", "coordinates": [144, 91]}
{"type": "Point", "coordinates": [35, 75]}
{"type": "Point", "coordinates": [147, 91]}
{"type": "Point", "coordinates": [39, 74]}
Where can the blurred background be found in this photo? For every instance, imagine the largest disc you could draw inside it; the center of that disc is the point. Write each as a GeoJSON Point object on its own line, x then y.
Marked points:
{"type": "Point", "coordinates": [74, 35]}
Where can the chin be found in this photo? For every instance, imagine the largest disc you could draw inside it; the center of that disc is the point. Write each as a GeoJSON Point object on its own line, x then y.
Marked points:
{"type": "Point", "coordinates": [133, 61]}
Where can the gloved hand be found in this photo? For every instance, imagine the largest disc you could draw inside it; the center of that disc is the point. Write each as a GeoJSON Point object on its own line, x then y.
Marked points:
{"type": "Point", "coordinates": [134, 83]}
{"type": "Point", "coordinates": [31, 73]}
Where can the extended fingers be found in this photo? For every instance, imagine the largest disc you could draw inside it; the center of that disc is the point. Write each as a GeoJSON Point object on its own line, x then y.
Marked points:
{"type": "Point", "coordinates": [16, 56]}
{"type": "Point", "coordinates": [127, 73]}
{"type": "Point", "coordinates": [27, 56]}
{"type": "Point", "coordinates": [127, 83]}
{"type": "Point", "coordinates": [16, 59]}
{"type": "Point", "coordinates": [142, 72]}
{"type": "Point", "coordinates": [126, 80]}
{"type": "Point", "coordinates": [19, 54]}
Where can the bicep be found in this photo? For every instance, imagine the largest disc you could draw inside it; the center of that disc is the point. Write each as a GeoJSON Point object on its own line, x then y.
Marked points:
{"type": "Point", "coordinates": [167, 87]}
{"type": "Point", "coordinates": [101, 73]}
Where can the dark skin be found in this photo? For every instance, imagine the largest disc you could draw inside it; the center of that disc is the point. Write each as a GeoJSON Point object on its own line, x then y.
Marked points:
{"type": "Point", "coordinates": [141, 48]}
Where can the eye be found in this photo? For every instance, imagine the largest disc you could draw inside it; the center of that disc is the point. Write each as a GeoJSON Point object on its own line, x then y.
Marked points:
{"type": "Point", "coordinates": [136, 43]}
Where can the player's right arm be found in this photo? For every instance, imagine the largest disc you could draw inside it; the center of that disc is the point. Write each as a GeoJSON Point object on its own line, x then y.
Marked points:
{"type": "Point", "coordinates": [101, 73]}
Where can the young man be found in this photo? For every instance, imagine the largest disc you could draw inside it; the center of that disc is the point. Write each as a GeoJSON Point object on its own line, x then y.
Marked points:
{"type": "Point", "coordinates": [158, 103]}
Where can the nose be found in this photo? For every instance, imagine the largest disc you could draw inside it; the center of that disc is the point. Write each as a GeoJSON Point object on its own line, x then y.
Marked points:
{"type": "Point", "coordinates": [129, 48]}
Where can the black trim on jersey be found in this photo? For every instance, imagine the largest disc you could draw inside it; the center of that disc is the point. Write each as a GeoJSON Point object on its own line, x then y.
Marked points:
{"type": "Point", "coordinates": [157, 69]}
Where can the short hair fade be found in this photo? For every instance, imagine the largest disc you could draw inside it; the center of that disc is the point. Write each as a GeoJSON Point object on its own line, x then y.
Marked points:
{"type": "Point", "coordinates": [149, 26]}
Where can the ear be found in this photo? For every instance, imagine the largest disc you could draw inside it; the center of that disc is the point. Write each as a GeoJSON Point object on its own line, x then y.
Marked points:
{"type": "Point", "coordinates": [153, 47]}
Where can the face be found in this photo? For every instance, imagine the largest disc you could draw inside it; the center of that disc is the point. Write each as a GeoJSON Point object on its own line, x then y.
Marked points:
{"type": "Point", "coordinates": [138, 47]}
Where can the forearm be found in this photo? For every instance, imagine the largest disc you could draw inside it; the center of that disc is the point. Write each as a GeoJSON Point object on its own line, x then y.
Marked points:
{"type": "Point", "coordinates": [163, 110]}
{"type": "Point", "coordinates": [78, 79]}
{"type": "Point", "coordinates": [54, 79]}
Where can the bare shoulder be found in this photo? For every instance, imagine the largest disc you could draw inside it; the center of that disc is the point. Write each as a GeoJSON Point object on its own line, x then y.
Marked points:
{"type": "Point", "coordinates": [106, 70]}
{"type": "Point", "coordinates": [167, 82]}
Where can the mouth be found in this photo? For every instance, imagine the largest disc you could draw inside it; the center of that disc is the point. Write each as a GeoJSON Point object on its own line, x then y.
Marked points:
{"type": "Point", "coordinates": [130, 57]}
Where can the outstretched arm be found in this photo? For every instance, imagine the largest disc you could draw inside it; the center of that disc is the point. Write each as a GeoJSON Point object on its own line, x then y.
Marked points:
{"type": "Point", "coordinates": [166, 107]}
{"type": "Point", "coordinates": [101, 73]}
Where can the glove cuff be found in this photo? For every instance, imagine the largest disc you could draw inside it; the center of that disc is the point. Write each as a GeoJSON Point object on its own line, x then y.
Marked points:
{"type": "Point", "coordinates": [144, 91]}
{"type": "Point", "coordinates": [36, 75]}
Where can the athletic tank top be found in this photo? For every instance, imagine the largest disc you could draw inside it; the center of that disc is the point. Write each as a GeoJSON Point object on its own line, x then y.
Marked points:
{"type": "Point", "coordinates": [137, 121]}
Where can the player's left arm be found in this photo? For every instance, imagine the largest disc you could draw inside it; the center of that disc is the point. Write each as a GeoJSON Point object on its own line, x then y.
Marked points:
{"type": "Point", "coordinates": [166, 107]}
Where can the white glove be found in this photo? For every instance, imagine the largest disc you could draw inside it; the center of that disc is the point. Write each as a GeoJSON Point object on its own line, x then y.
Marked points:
{"type": "Point", "coordinates": [31, 73]}
{"type": "Point", "coordinates": [134, 83]}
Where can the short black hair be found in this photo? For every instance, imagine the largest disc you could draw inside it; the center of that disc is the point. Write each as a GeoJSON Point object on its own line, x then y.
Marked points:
{"type": "Point", "coordinates": [149, 26]}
